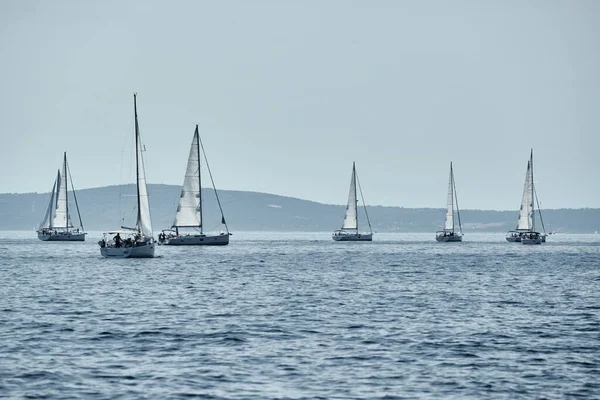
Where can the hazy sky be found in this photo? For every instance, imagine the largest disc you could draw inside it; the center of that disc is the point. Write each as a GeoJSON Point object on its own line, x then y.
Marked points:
{"type": "Point", "coordinates": [288, 93]}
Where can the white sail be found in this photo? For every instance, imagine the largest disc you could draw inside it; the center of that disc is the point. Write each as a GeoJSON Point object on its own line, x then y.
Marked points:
{"type": "Point", "coordinates": [61, 214]}
{"type": "Point", "coordinates": [188, 209]}
{"type": "Point", "coordinates": [525, 222]}
{"type": "Point", "coordinates": [350, 221]}
{"type": "Point", "coordinates": [49, 215]}
{"type": "Point", "coordinates": [144, 222]}
{"type": "Point", "coordinates": [449, 224]}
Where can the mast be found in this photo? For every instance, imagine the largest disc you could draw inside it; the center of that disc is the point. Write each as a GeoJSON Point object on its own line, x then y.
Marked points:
{"type": "Point", "coordinates": [355, 198]}
{"type": "Point", "coordinates": [66, 188]}
{"type": "Point", "coordinates": [199, 177]}
{"type": "Point", "coordinates": [531, 192]}
{"type": "Point", "coordinates": [452, 188]}
{"type": "Point", "coordinates": [137, 162]}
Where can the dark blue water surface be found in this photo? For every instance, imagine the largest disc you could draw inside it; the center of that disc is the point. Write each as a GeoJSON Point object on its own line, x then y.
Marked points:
{"type": "Point", "coordinates": [297, 315]}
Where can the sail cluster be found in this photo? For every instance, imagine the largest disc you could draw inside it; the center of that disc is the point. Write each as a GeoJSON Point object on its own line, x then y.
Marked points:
{"type": "Point", "coordinates": [57, 212]}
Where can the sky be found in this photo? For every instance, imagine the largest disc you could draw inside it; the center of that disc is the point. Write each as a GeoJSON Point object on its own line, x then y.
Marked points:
{"type": "Point", "coordinates": [287, 94]}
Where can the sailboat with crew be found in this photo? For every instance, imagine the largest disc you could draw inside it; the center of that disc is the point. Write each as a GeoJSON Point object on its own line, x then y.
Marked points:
{"type": "Point", "coordinates": [526, 232]}
{"type": "Point", "coordinates": [136, 242]}
{"type": "Point", "coordinates": [188, 225]}
{"type": "Point", "coordinates": [349, 231]}
{"type": "Point", "coordinates": [57, 225]}
{"type": "Point", "coordinates": [449, 233]}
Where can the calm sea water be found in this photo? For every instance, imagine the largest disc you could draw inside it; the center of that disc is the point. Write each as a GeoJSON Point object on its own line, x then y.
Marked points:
{"type": "Point", "coordinates": [296, 315]}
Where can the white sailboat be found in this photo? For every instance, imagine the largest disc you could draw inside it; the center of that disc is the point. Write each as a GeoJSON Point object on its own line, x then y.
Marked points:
{"type": "Point", "coordinates": [135, 242]}
{"type": "Point", "coordinates": [187, 228]}
{"type": "Point", "coordinates": [449, 234]}
{"type": "Point", "coordinates": [525, 231]}
{"type": "Point", "coordinates": [349, 231]}
{"type": "Point", "coordinates": [57, 225]}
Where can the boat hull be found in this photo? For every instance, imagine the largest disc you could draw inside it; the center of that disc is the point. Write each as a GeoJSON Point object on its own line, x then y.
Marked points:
{"type": "Point", "coordinates": [144, 251]}
{"type": "Point", "coordinates": [445, 239]}
{"type": "Point", "coordinates": [353, 237]}
{"type": "Point", "coordinates": [62, 237]}
{"type": "Point", "coordinates": [531, 240]}
{"type": "Point", "coordinates": [198, 240]}
{"type": "Point", "coordinates": [513, 239]}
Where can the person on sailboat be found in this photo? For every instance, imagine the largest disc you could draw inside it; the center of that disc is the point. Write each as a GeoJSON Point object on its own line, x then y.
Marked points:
{"type": "Point", "coordinates": [118, 240]}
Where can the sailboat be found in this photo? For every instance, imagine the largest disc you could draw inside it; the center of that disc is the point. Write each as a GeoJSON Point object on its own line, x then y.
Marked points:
{"type": "Point", "coordinates": [57, 225]}
{"type": "Point", "coordinates": [349, 231]}
{"type": "Point", "coordinates": [449, 233]}
{"type": "Point", "coordinates": [189, 217]}
{"type": "Point", "coordinates": [525, 231]}
{"type": "Point", "coordinates": [135, 242]}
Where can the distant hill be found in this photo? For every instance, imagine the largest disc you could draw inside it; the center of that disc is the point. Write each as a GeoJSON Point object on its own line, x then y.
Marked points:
{"type": "Point", "coordinates": [102, 208]}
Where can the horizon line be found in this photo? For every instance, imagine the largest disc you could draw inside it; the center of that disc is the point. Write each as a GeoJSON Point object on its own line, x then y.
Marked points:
{"type": "Point", "coordinates": [312, 201]}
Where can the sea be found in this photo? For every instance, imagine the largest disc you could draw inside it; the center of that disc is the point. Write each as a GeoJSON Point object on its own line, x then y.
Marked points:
{"type": "Point", "coordinates": [298, 316]}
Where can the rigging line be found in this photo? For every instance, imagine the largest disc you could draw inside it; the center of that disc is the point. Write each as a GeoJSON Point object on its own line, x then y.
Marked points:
{"type": "Point", "coordinates": [75, 196]}
{"type": "Point", "coordinates": [539, 209]}
{"type": "Point", "coordinates": [456, 201]}
{"type": "Point", "coordinates": [363, 201]}
{"type": "Point", "coordinates": [213, 184]}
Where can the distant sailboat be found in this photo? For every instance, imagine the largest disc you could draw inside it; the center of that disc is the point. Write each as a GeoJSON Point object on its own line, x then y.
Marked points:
{"type": "Point", "coordinates": [57, 225]}
{"type": "Point", "coordinates": [349, 231]}
{"type": "Point", "coordinates": [526, 232]}
{"type": "Point", "coordinates": [449, 233]}
{"type": "Point", "coordinates": [189, 210]}
{"type": "Point", "coordinates": [136, 242]}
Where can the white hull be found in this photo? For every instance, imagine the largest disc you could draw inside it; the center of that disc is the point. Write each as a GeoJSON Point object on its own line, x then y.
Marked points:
{"type": "Point", "coordinates": [144, 251]}
{"type": "Point", "coordinates": [62, 237]}
{"type": "Point", "coordinates": [353, 237]}
{"type": "Point", "coordinates": [199, 240]}
{"type": "Point", "coordinates": [456, 238]}
{"type": "Point", "coordinates": [513, 239]}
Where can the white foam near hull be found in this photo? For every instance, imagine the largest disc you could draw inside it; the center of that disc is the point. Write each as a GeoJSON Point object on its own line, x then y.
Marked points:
{"type": "Point", "coordinates": [353, 237]}
{"type": "Point", "coordinates": [455, 238]}
{"type": "Point", "coordinates": [62, 237]}
{"type": "Point", "coordinates": [144, 251]}
{"type": "Point", "coordinates": [199, 240]}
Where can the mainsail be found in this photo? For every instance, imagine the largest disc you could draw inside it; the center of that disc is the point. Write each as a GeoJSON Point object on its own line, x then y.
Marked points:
{"type": "Point", "coordinates": [449, 224]}
{"type": "Point", "coordinates": [525, 221]}
{"type": "Point", "coordinates": [188, 210]}
{"type": "Point", "coordinates": [350, 219]}
{"type": "Point", "coordinates": [144, 222]}
{"type": "Point", "coordinates": [61, 215]}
